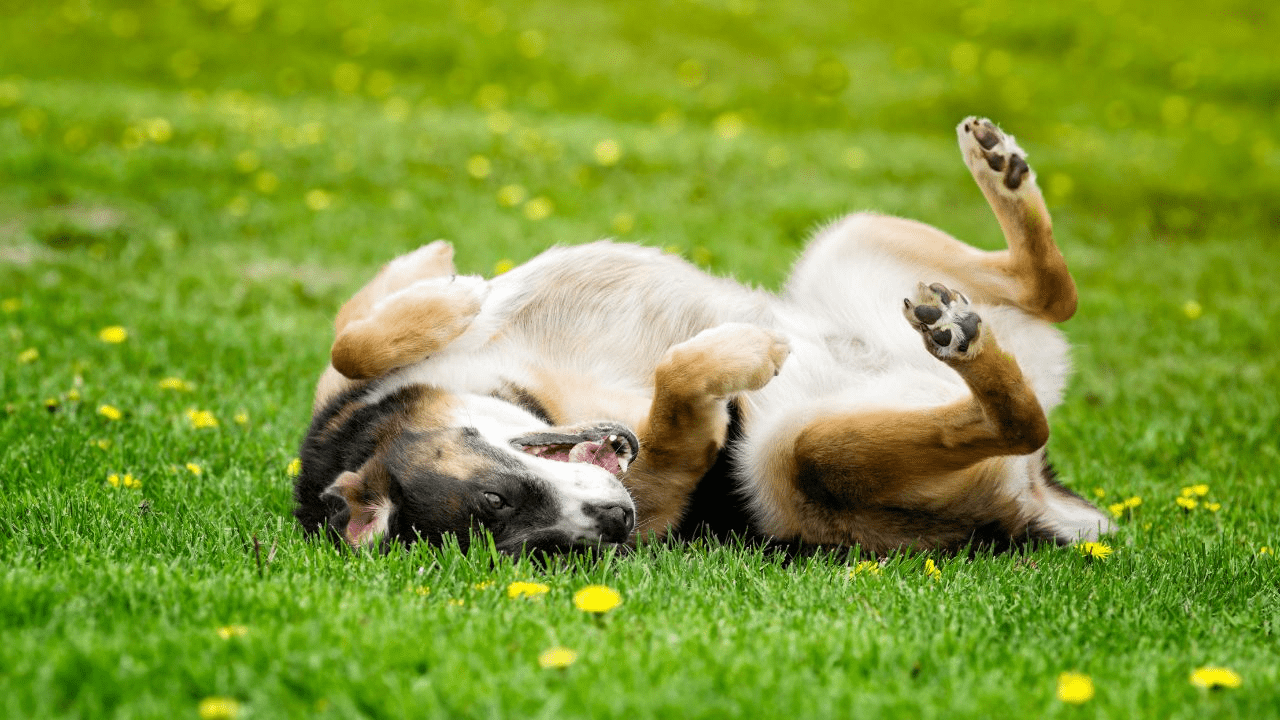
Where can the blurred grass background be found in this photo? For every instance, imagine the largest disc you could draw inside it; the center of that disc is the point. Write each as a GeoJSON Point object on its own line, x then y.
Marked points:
{"type": "Point", "coordinates": [217, 177]}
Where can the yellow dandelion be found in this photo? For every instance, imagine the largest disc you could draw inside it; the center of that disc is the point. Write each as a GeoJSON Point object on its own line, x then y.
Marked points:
{"type": "Point", "coordinates": [1200, 490]}
{"type": "Point", "coordinates": [1094, 551]}
{"type": "Point", "coordinates": [1192, 309]}
{"type": "Point", "coordinates": [1075, 688]}
{"type": "Point", "coordinates": [422, 590]}
{"type": "Point", "coordinates": [159, 130]}
{"type": "Point", "coordinates": [195, 469]}
{"type": "Point", "coordinates": [113, 480]}
{"type": "Point", "coordinates": [557, 657]}
{"type": "Point", "coordinates": [1099, 493]}
{"type": "Point", "coordinates": [219, 708]}
{"type": "Point", "coordinates": [101, 443]}
{"type": "Point", "coordinates": [232, 631]}
{"type": "Point", "coordinates": [294, 468]}
{"type": "Point", "coordinates": [318, 200]}
{"type": "Point", "coordinates": [502, 266]}
{"type": "Point", "coordinates": [1213, 507]}
{"type": "Point", "coordinates": [483, 585]}
{"type": "Point", "coordinates": [1213, 678]}
{"type": "Point", "coordinates": [110, 412]}
{"type": "Point", "coordinates": [457, 602]}
{"type": "Point", "coordinates": [173, 383]}
{"type": "Point", "coordinates": [596, 599]}
{"type": "Point", "coordinates": [479, 167]}
{"type": "Point", "coordinates": [1117, 509]}
{"type": "Point", "coordinates": [866, 567]}
{"type": "Point", "coordinates": [51, 404]}
{"type": "Point", "coordinates": [623, 223]}
{"type": "Point", "coordinates": [242, 418]}
{"type": "Point", "coordinates": [28, 356]}
{"type": "Point", "coordinates": [1187, 503]}
{"type": "Point", "coordinates": [73, 395]}
{"type": "Point", "coordinates": [1133, 502]}
{"type": "Point", "coordinates": [114, 334]}
{"type": "Point", "coordinates": [539, 208]}
{"type": "Point", "coordinates": [130, 482]}
{"type": "Point", "coordinates": [10, 305]}
{"type": "Point", "coordinates": [728, 125]}
{"type": "Point", "coordinates": [931, 570]}
{"type": "Point", "coordinates": [201, 419]}
{"type": "Point", "coordinates": [1264, 550]}
{"type": "Point", "coordinates": [608, 152]}
{"type": "Point", "coordinates": [511, 195]}
{"type": "Point", "coordinates": [526, 589]}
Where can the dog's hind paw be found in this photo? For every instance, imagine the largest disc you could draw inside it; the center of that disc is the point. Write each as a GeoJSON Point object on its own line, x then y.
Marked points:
{"type": "Point", "coordinates": [993, 157]}
{"type": "Point", "coordinates": [731, 358]}
{"type": "Point", "coordinates": [951, 331]}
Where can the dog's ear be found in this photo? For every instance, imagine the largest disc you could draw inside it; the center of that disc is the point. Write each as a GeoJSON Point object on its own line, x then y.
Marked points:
{"type": "Point", "coordinates": [368, 508]}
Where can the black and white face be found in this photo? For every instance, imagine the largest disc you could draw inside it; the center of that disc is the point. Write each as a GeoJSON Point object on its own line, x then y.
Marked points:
{"type": "Point", "coordinates": [490, 464]}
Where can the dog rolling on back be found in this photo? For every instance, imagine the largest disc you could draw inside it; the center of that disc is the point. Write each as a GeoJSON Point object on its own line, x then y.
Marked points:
{"type": "Point", "coordinates": [893, 395]}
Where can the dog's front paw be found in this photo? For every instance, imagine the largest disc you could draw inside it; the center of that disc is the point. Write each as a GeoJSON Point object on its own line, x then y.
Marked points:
{"type": "Point", "coordinates": [993, 157]}
{"type": "Point", "coordinates": [942, 316]}
{"type": "Point", "coordinates": [730, 358]}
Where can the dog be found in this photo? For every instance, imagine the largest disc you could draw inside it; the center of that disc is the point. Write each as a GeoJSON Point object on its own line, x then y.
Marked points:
{"type": "Point", "coordinates": [893, 395]}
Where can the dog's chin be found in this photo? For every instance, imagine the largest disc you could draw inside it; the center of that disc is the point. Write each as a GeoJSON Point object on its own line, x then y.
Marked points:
{"type": "Point", "coordinates": [555, 543]}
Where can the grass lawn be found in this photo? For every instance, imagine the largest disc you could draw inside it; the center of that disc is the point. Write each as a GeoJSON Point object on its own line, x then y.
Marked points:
{"type": "Point", "coordinates": [214, 178]}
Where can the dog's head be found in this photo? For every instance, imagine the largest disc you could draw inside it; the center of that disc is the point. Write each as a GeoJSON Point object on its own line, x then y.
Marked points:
{"type": "Point", "coordinates": [452, 464]}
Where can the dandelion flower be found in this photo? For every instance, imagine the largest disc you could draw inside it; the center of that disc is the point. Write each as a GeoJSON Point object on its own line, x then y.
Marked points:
{"type": "Point", "coordinates": [195, 469]}
{"type": "Point", "coordinates": [866, 567]}
{"type": "Point", "coordinates": [318, 200]}
{"type": "Point", "coordinates": [173, 383]}
{"type": "Point", "coordinates": [1264, 550]}
{"type": "Point", "coordinates": [597, 599]}
{"type": "Point", "coordinates": [28, 356]}
{"type": "Point", "coordinates": [232, 631]}
{"type": "Point", "coordinates": [1099, 492]}
{"type": "Point", "coordinates": [623, 223]}
{"type": "Point", "coordinates": [1213, 507]}
{"type": "Point", "coordinates": [728, 125]}
{"type": "Point", "coordinates": [539, 208]}
{"type": "Point", "coordinates": [10, 305]}
{"type": "Point", "coordinates": [502, 266]}
{"type": "Point", "coordinates": [1094, 551]}
{"type": "Point", "coordinates": [483, 585]}
{"type": "Point", "coordinates": [1133, 502]}
{"type": "Point", "coordinates": [457, 602]}
{"type": "Point", "coordinates": [114, 334]}
{"type": "Point", "coordinates": [73, 395]}
{"type": "Point", "coordinates": [511, 195]}
{"type": "Point", "coordinates": [423, 590]}
{"type": "Point", "coordinates": [1075, 688]}
{"type": "Point", "coordinates": [127, 481]}
{"type": "Point", "coordinates": [931, 570]}
{"type": "Point", "coordinates": [1117, 509]}
{"type": "Point", "coordinates": [201, 419]}
{"type": "Point", "coordinates": [110, 412]}
{"type": "Point", "coordinates": [1201, 489]}
{"type": "Point", "coordinates": [1192, 309]}
{"type": "Point", "coordinates": [242, 418]}
{"type": "Point", "coordinates": [294, 467]}
{"type": "Point", "coordinates": [608, 152]}
{"type": "Point", "coordinates": [219, 708]}
{"type": "Point", "coordinates": [1187, 503]}
{"type": "Point", "coordinates": [479, 167]}
{"type": "Point", "coordinates": [526, 589]}
{"type": "Point", "coordinates": [101, 443]}
{"type": "Point", "coordinates": [557, 657]}
{"type": "Point", "coordinates": [1213, 678]}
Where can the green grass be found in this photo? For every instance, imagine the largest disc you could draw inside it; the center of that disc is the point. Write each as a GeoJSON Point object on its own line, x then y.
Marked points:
{"type": "Point", "coordinates": [134, 139]}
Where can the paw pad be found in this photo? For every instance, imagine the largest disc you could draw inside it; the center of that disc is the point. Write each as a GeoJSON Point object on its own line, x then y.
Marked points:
{"type": "Point", "coordinates": [943, 318]}
{"type": "Point", "coordinates": [986, 144]}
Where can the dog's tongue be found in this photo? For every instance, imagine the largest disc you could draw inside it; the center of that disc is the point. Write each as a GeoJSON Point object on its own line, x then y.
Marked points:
{"type": "Point", "coordinates": [598, 454]}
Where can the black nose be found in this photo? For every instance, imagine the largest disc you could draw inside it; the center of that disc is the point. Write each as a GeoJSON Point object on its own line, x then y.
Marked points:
{"type": "Point", "coordinates": [614, 521]}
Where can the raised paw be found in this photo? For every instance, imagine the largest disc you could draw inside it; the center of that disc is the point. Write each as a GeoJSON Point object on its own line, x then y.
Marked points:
{"type": "Point", "coordinates": [993, 157]}
{"type": "Point", "coordinates": [729, 359]}
{"type": "Point", "coordinates": [942, 316]}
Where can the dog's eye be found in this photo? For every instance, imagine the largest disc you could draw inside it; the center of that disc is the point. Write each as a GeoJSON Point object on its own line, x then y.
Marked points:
{"type": "Point", "coordinates": [495, 500]}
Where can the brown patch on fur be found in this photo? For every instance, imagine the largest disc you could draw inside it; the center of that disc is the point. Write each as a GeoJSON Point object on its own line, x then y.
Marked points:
{"type": "Point", "coordinates": [408, 328]}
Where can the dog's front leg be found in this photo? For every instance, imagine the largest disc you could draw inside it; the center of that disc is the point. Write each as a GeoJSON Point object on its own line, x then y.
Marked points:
{"type": "Point", "coordinates": [688, 419]}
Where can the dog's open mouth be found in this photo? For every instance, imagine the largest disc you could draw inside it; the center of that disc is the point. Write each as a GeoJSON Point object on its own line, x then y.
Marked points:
{"type": "Point", "coordinates": [611, 447]}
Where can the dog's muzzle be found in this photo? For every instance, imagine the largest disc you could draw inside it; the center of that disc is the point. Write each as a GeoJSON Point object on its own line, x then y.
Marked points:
{"type": "Point", "coordinates": [607, 445]}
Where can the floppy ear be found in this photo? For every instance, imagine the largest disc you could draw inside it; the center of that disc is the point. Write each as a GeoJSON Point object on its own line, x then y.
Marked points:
{"type": "Point", "coordinates": [368, 508]}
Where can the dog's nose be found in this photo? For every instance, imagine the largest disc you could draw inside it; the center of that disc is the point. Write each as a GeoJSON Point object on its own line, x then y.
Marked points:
{"type": "Point", "coordinates": [615, 521]}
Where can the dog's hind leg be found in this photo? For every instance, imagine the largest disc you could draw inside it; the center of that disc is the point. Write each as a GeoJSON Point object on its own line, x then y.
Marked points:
{"type": "Point", "coordinates": [929, 476]}
{"type": "Point", "coordinates": [1030, 274]}
{"type": "Point", "coordinates": [688, 418]}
